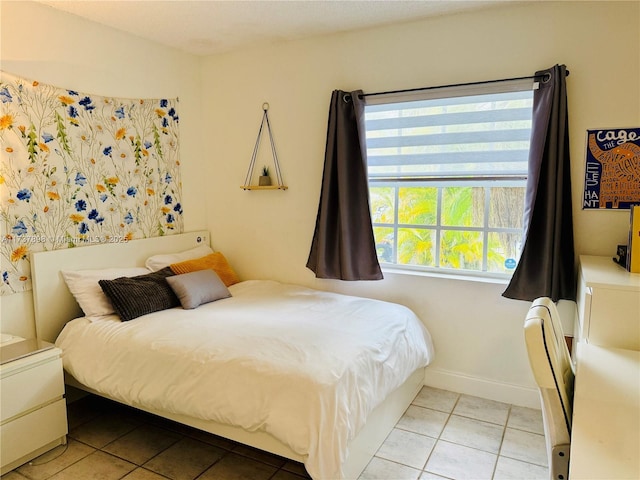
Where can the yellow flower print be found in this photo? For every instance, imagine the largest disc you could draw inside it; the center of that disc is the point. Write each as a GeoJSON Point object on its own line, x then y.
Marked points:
{"type": "Point", "coordinates": [76, 218]}
{"type": "Point", "coordinates": [43, 147]}
{"type": "Point", "coordinates": [23, 278]}
{"type": "Point", "coordinates": [6, 121]}
{"type": "Point", "coordinates": [145, 152]}
{"type": "Point", "coordinates": [35, 83]}
{"type": "Point", "coordinates": [45, 209]}
{"type": "Point", "coordinates": [53, 196]}
{"type": "Point", "coordinates": [66, 100]}
{"type": "Point", "coordinates": [128, 236]}
{"type": "Point", "coordinates": [1, 179]}
{"type": "Point", "coordinates": [165, 210]}
{"type": "Point", "coordinates": [151, 191]}
{"type": "Point", "coordinates": [120, 133]}
{"type": "Point", "coordinates": [160, 112]}
{"type": "Point", "coordinates": [19, 253]}
{"type": "Point", "coordinates": [101, 188]}
{"type": "Point", "coordinates": [112, 180]}
{"type": "Point", "coordinates": [9, 150]}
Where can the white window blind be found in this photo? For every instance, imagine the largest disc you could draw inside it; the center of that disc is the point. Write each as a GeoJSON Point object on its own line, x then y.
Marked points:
{"type": "Point", "coordinates": [463, 136]}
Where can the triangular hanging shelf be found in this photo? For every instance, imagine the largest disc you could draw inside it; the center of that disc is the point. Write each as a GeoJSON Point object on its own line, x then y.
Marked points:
{"type": "Point", "coordinates": [252, 164]}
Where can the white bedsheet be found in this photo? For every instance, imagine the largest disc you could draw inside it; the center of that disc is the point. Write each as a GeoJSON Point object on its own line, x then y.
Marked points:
{"type": "Point", "coordinates": [304, 365]}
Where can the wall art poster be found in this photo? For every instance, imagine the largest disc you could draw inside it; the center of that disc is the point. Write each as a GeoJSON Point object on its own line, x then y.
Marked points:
{"type": "Point", "coordinates": [612, 173]}
{"type": "Point", "coordinates": [79, 169]}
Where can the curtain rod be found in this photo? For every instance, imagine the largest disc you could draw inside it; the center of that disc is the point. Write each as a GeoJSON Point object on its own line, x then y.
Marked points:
{"type": "Point", "coordinates": [545, 78]}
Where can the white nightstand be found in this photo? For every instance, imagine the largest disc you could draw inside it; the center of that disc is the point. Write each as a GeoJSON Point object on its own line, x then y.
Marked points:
{"type": "Point", "coordinates": [33, 411]}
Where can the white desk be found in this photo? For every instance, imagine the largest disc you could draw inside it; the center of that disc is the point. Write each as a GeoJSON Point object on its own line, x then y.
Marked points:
{"type": "Point", "coordinates": [605, 436]}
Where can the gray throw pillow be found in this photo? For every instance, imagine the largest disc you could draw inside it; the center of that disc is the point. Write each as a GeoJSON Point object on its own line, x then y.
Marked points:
{"type": "Point", "coordinates": [133, 297]}
{"type": "Point", "coordinates": [199, 287]}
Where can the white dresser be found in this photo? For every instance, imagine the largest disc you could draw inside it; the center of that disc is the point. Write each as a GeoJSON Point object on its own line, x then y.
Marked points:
{"type": "Point", "coordinates": [33, 410]}
{"type": "Point", "coordinates": [608, 304]}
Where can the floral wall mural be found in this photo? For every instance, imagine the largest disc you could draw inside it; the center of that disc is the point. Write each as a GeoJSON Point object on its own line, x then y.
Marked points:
{"type": "Point", "coordinates": [79, 169]}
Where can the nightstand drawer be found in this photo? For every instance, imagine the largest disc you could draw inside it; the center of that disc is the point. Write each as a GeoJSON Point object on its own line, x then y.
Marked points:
{"type": "Point", "coordinates": [31, 387]}
{"type": "Point", "coordinates": [30, 432]}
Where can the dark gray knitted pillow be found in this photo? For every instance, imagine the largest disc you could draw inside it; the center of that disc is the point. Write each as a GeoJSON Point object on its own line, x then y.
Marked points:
{"type": "Point", "coordinates": [133, 297]}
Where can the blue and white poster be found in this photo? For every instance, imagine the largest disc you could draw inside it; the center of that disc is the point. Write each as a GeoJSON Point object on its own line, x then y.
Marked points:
{"type": "Point", "coordinates": [612, 172]}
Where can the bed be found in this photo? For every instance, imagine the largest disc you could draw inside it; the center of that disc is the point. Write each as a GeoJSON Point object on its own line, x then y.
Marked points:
{"type": "Point", "coordinates": [313, 376]}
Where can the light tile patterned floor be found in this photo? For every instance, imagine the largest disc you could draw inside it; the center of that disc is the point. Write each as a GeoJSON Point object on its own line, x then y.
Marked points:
{"type": "Point", "coordinates": [442, 435]}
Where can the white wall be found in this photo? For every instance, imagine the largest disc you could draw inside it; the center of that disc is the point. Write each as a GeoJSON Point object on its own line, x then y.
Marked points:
{"type": "Point", "coordinates": [42, 44]}
{"type": "Point", "coordinates": [477, 333]}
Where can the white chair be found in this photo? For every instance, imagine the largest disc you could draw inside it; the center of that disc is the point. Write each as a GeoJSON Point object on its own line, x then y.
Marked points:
{"type": "Point", "coordinates": [553, 371]}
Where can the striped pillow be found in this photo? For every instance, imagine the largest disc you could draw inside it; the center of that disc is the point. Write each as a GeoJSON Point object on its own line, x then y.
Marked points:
{"type": "Point", "coordinates": [133, 297]}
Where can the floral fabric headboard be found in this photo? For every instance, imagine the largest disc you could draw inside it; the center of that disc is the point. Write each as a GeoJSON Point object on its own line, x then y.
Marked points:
{"type": "Point", "coordinates": [79, 169]}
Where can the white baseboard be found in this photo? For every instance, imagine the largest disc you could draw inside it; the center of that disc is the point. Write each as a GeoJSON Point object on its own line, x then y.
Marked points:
{"type": "Point", "coordinates": [482, 387]}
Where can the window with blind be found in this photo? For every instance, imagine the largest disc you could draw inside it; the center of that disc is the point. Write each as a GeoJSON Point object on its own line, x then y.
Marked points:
{"type": "Point", "coordinates": [447, 175]}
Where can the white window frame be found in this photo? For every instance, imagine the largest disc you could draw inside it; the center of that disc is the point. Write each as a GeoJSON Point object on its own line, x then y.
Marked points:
{"type": "Point", "coordinates": [438, 181]}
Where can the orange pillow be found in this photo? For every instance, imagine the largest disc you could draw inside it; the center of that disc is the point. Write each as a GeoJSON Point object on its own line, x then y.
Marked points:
{"type": "Point", "coordinates": [214, 261]}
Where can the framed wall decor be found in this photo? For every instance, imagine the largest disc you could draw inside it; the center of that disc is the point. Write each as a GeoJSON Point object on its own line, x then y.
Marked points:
{"type": "Point", "coordinates": [612, 171]}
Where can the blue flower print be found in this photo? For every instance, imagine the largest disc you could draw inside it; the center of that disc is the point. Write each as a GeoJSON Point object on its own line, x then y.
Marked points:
{"type": "Point", "coordinates": [167, 178]}
{"type": "Point", "coordinates": [103, 197]}
{"type": "Point", "coordinates": [165, 122]}
{"type": "Point", "coordinates": [170, 218]}
{"type": "Point", "coordinates": [178, 208]}
{"type": "Point", "coordinates": [168, 200]}
{"type": "Point", "coordinates": [81, 206]}
{"type": "Point", "coordinates": [95, 216]}
{"type": "Point", "coordinates": [131, 191]}
{"type": "Point", "coordinates": [80, 179]}
{"type": "Point", "coordinates": [47, 137]}
{"type": "Point", "coordinates": [72, 92]}
{"type": "Point", "coordinates": [5, 95]}
{"type": "Point", "coordinates": [128, 218]}
{"type": "Point", "coordinates": [107, 151]}
{"type": "Point", "coordinates": [148, 144]}
{"type": "Point", "coordinates": [24, 195]}
{"type": "Point", "coordinates": [86, 103]}
{"type": "Point", "coordinates": [73, 111]}
{"type": "Point", "coordinates": [164, 103]}
{"type": "Point", "coordinates": [173, 114]}
{"type": "Point", "coordinates": [83, 228]}
{"type": "Point", "coordinates": [120, 113]}
{"type": "Point", "coordinates": [19, 228]}
{"type": "Point", "coordinates": [5, 277]}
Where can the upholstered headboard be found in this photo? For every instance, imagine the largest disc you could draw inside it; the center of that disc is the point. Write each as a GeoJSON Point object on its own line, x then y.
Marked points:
{"type": "Point", "coordinates": [54, 305]}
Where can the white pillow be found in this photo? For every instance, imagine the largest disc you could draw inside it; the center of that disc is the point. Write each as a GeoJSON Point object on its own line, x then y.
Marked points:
{"type": "Point", "coordinates": [83, 285]}
{"type": "Point", "coordinates": [158, 262]}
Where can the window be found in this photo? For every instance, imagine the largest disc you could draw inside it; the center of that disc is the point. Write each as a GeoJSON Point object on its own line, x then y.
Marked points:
{"type": "Point", "coordinates": [447, 176]}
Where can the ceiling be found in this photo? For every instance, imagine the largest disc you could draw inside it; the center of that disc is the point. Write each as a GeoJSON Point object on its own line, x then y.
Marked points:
{"type": "Point", "coordinates": [208, 27]}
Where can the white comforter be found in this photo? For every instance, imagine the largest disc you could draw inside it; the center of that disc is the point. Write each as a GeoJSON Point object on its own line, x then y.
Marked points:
{"type": "Point", "coordinates": [304, 365]}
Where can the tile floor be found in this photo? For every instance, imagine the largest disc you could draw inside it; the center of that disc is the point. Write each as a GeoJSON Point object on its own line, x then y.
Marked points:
{"type": "Point", "coordinates": [441, 435]}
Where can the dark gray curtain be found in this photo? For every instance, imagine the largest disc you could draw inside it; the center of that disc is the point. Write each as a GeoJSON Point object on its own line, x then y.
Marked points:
{"type": "Point", "coordinates": [343, 245]}
{"type": "Point", "coordinates": [546, 266]}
